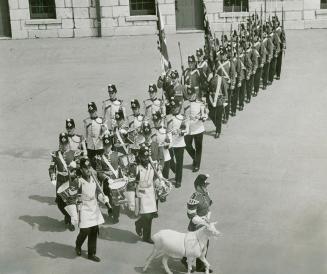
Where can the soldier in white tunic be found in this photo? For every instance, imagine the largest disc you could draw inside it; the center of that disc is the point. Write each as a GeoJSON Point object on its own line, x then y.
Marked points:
{"type": "Point", "coordinates": [153, 103]}
{"type": "Point", "coordinates": [76, 141]}
{"type": "Point", "coordinates": [146, 193]}
{"type": "Point", "coordinates": [135, 120]}
{"type": "Point", "coordinates": [90, 216]}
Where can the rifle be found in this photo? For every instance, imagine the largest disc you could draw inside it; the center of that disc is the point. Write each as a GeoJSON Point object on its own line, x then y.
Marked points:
{"type": "Point", "coordinates": [182, 64]}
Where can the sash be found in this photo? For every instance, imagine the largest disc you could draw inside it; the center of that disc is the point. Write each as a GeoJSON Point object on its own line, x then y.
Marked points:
{"type": "Point", "coordinates": [121, 140]}
{"type": "Point", "coordinates": [217, 91]}
{"type": "Point", "coordinates": [221, 66]}
{"type": "Point", "coordinates": [61, 158]}
{"type": "Point", "coordinates": [115, 172]}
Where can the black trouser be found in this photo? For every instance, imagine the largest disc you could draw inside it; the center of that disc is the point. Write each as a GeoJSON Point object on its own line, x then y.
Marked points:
{"type": "Point", "coordinates": [249, 87]}
{"type": "Point", "coordinates": [196, 153]}
{"type": "Point", "coordinates": [234, 100]}
{"type": "Point", "coordinates": [165, 169]}
{"type": "Point", "coordinates": [216, 116]}
{"type": "Point", "coordinates": [61, 205]}
{"type": "Point", "coordinates": [272, 69]}
{"type": "Point", "coordinates": [279, 62]}
{"type": "Point", "coordinates": [145, 223]}
{"type": "Point", "coordinates": [92, 234]}
{"type": "Point", "coordinates": [177, 153]}
{"type": "Point", "coordinates": [265, 73]}
{"type": "Point", "coordinates": [257, 77]}
{"type": "Point", "coordinates": [241, 94]}
{"type": "Point", "coordinates": [91, 153]}
{"type": "Point", "coordinates": [115, 208]}
{"type": "Point", "coordinates": [229, 100]}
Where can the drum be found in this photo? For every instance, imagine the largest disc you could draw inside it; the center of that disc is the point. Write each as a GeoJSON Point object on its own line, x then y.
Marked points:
{"type": "Point", "coordinates": [162, 188]}
{"type": "Point", "coordinates": [68, 193]}
{"type": "Point", "coordinates": [117, 190]}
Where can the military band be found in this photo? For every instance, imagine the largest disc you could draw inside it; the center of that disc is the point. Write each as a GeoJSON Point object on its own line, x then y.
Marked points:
{"type": "Point", "coordinates": [124, 160]}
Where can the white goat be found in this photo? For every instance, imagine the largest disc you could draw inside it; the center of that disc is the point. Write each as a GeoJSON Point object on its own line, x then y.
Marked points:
{"type": "Point", "coordinates": [191, 245]}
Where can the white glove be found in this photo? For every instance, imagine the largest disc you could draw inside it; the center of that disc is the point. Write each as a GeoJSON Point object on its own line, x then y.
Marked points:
{"type": "Point", "coordinates": [74, 221]}
{"type": "Point", "coordinates": [197, 220]}
{"type": "Point", "coordinates": [72, 164]}
{"type": "Point", "coordinates": [103, 198]}
{"type": "Point", "coordinates": [54, 182]}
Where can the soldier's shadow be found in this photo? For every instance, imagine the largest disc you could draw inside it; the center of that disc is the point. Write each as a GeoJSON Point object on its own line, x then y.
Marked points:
{"type": "Point", "coordinates": [156, 267]}
{"type": "Point", "coordinates": [43, 199]}
{"type": "Point", "coordinates": [43, 223]}
{"type": "Point", "coordinates": [118, 235]}
{"type": "Point", "coordinates": [210, 133]}
{"type": "Point", "coordinates": [190, 166]}
{"type": "Point", "coordinates": [55, 250]}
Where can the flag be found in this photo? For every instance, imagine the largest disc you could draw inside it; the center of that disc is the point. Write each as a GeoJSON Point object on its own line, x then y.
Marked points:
{"type": "Point", "coordinates": [162, 43]}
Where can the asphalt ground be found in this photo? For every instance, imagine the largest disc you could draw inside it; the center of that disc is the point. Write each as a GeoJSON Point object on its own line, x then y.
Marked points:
{"type": "Point", "coordinates": [268, 169]}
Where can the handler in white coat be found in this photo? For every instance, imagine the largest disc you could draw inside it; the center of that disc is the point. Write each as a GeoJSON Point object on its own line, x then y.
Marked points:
{"type": "Point", "coordinates": [89, 212]}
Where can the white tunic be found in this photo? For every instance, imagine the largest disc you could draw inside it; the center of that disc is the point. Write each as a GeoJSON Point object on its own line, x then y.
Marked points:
{"type": "Point", "coordinates": [174, 126]}
{"type": "Point", "coordinates": [90, 214]}
{"type": "Point", "coordinates": [195, 111]}
{"type": "Point", "coordinates": [145, 190]}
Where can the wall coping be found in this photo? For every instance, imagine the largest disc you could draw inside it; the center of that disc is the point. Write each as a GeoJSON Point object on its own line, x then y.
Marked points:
{"type": "Point", "coordinates": [42, 21]}
{"type": "Point", "coordinates": [141, 18]}
{"type": "Point", "coordinates": [322, 11]}
{"type": "Point", "coordinates": [233, 14]}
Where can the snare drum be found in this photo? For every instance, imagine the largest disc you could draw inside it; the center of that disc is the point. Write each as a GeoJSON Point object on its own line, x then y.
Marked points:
{"type": "Point", "coordinates": [117, 190]}
{"type": "Point", "coordinates": [68, 193]}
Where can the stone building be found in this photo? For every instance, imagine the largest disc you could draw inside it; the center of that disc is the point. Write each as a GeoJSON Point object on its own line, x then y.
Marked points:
{"type": "Point", "coordinates": [82, 18]}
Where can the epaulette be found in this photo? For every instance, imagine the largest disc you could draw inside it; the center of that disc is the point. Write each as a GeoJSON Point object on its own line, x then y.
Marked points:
{"type": "Point", "coordinates": [180, 117]}
{"type": "Point", "coordinates": [76, 138]}
{"type": "Point", "coordinates": [99, 120]}
{"type": "Point", "coordinates": [162, 130]}
{"type": "Point", "coordinates": [117, 103]}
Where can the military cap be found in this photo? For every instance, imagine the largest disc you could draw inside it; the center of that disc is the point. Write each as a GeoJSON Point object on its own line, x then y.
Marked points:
{"type": "Point", "coordinates": [157, 115]}
{"type": "Point", "coordinates": [70, 123]}
{"type": "Point", "coordinates": [191, 59]}
{"type": "Point", "coordinates": [144, 151]}
{"type": "Point", "coordinates": [107, 139]}
{"type": "Point", "coordinates": [85, 163]}
{"type": "Point", "coordinates": [223, 51]}
{"type": "Point", "coordinates": [135, 104]}
{"type": "Point", "coordinates": [152, 88]}
{"type": "Point", "coordinates": [112, 88]}
{"type": "Point", "coordinates": [199, 52]}
{"type": "Point", "coordinates": [92, 107]}
{"type": "Point", "coordinates": [175, 101]}
{"type": "Point", "coordinates": [146, 128]}
{"type": "Point", "coordinates": [201, 180]}
{"type": "Point", "coordinates": [63, 138]}
{"type": "Point", "coordinates": [190, 90]}
{"type": "Point", "coordinates": [174, 74]}
{"type": "Point", "coordinates": [119, 115]}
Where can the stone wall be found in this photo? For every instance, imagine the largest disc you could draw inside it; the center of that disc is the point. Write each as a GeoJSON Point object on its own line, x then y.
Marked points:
{"type": "Point", "coordinates": [78, 18]}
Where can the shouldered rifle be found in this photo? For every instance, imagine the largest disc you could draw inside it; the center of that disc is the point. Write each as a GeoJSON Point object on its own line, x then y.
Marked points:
{"type": "Point", "coordinates": [182, 64]}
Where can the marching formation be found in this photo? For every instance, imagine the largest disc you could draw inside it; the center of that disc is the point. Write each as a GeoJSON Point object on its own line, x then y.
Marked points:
{"type": "Point", "coordinates": [125, 160]}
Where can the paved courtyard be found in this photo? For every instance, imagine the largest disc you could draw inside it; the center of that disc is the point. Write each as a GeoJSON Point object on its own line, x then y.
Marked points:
{"type": "Point", "coordinates": [268, 169]}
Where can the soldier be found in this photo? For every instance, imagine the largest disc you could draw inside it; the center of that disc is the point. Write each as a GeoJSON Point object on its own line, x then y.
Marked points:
{"type": "Point", "coordinates": [107, 170]}
{"type": "Point", "coordinates": [178, 126]}
{"type": "Point", "coordinates": [111, 106]}
{"type": "Point", "coordinates": [276, 49]}
{"type": "Point", "coordinates": [153, 103]}
{"type": "Point", "coordinates": [76, 141]}
{"type": "Point", "coordinates": [205, 72]}
{"type": "Point", "coordinates": [121, 133]}
{"type": "Point", "coordinates": [268, 56]}
{"type": "Point", "coordinates": [144, 137]}
{"type": "Point", "coordinates": [198, 211]}
{"type": "Point", "coordinates": [196, 112]}
{"type": "Point", "coordinates": [226, 69]}
{"type": "Point", "coordinates": [135, 120]}
{"type": "Point", "coordinates": [89, 211]}
{"type": "Point", "coordinates": [261, 49]}
{"type": "Point", "coordinates": [282, 37]}
{"type": "Point", "coordinates": [161, 140]}
{"type": "Point", "coordinates": [251, 54]}
{"type": "Point", "coordinates": [95, 128]}
{"type": "Point", "coordinates": [218, 92]}
{"type": "Point", "coordinates": [61, 172]}
{"type": "Point", "coordinates": [192, 76]}
{"type": "Point", "coordinates": [146, 193]}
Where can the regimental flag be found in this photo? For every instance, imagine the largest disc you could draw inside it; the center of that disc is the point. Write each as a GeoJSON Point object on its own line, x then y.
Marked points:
{"type": "Point", "coordinates": [207, 30]}
{"type": "Point", "coordinates": [162, 43]}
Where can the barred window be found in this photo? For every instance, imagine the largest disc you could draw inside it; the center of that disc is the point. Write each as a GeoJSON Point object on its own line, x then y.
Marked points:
{"type": "Point", "coordinates": [236, 5]}
{"type": "Point", "coordinates": [323, 4]}
{"type": "Point", "coordinates": [142, 7]}
{"type": "Point", "coordinates": [42, 9]}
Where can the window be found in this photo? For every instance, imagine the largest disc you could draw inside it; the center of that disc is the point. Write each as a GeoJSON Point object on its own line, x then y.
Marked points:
{"type": "Point", "coordinates": [142, 7]}
{"type": "Point", "coordinates": [236, 5]}
{"type": "Point", "coordinates": [42, 9]}
{"type": "Point", "coordinates": [323, 4]}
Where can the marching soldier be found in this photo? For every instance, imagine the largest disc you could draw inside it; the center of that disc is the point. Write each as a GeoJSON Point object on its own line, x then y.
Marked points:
{"type": "Point", "coordinates": [250, 74]}
{"type": "Point", "coordinates": [111, 106]}
{"type": "Point", "coordinates": [241, 78]}
{"type": "Point", "coordinates": [107, 170]}
{"type": "Point", "coordinates": [260, 48]}
{"type": "Point", "coordinates": [76, 141]}
{"type": "Point", "coordinates": [192, 76]}
{"type": "Point", "coordinates": [153, 103]}
{"type": "Point", "coordinates": [195, 110]}
{"type": "Point", "coordinates": [276, 49]}
{"type": "Point", "coordinates": [282, 37]}
{"type": "Point", "coordinates": [89, 211]}
{"type": "Point", "coordinates": [198, 211]}
{"type": "Point", "coordinates": [95, 128]}
{"type": "Point", "coordinates": [178, 126]}
{"type": "Point", "coordinates": [135, 120]}
{"type": "Point", "coordinates": [61, 173]}
{"type": "Point", "coordinates": [146, 193]}
{"type": "Point", "coordinates": [226, 70]}
{"type": "Point", "coordinates": [121, 133]}
{"type": "Point", "coordinates": [205, 72]}
{"type": "Point", "coordinates": [268, 57]}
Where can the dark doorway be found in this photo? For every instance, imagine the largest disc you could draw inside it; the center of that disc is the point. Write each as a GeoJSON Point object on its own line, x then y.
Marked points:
{"type": "Point", "coordinates": [5, 30]}
{"type": "Point", "coordinates": [189, 14]}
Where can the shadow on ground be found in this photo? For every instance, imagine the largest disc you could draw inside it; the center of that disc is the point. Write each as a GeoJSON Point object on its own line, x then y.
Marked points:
{"type": "Point", "coordinates": [25, 153]}
{"type": "Point", "coordinates": [43, 199]}
{"type": "Point", "coordinates": [118, 235]}
{"type": "Point", "coordinates": [55, 250]}
{"type": "Point", "coordinates": [43, 223]}
{"type": "Point", "coordinates": [156, 267]}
